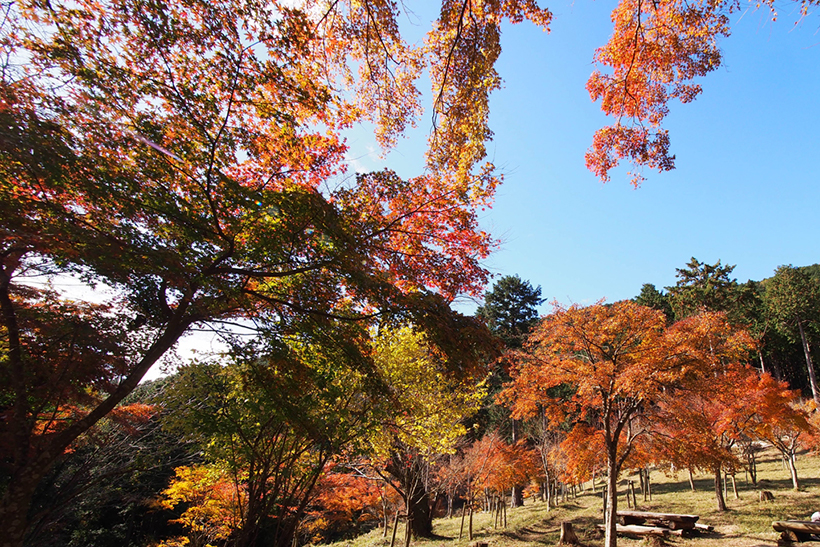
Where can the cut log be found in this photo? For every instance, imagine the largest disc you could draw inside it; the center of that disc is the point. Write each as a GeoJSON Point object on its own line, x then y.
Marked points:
{"type": "Point", "coordinates": [804, 526]}
{"type": "Point", "coordinates": [636, 531]}
{"type": "Point", "coordinates": [797, 530]}
{"type": "Point", "coordinates": [568, 536]}
{"type": "Point", "coordinates": [673, 521]}
{"type": "Point", "coordinates": [787, 538]}
{"type": "Point", "coordinates": [704, 527]}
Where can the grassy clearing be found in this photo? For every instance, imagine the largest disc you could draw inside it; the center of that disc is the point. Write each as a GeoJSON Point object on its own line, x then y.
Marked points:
{"type": "Point", "coordinates": [746, 524]}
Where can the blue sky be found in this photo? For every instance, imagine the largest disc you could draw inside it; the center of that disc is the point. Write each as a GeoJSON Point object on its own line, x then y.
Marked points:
{"type": "Point", "coordinates": [745, 190]}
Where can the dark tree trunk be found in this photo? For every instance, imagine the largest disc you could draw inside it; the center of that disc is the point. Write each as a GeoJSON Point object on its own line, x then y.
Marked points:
{"type": "Point", "coordinates": [420, 513]}
{"type": "Point", "coordinates": [16, 500]}
{"type": "Point", "coordinates": [721, 502]}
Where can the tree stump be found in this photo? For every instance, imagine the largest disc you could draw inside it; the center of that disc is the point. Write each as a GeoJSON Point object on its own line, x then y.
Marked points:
{"type": "Point", "coordinates": [765, 495]}
{"type": "Point", "coordinates": [568, 536]}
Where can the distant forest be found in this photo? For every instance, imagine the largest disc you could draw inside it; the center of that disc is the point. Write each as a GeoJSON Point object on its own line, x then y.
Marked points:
{"type": "Point", "coordinates": [774, 310]}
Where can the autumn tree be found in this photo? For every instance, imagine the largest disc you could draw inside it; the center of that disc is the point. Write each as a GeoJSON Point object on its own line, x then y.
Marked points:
{"type": "Point", "coordinates": [546, 435]}
{"type": "Point", "coordinates": [618, 359]}
{"type": "Point", "coordinates": [271, 418]}
{"type": "Point", "coordinates": [343, 505]}
{"type": "Point", "coordinates": [429, 407]}
{"type": "Point", "coordinates": [780, 418]}
{"type": "Point", "coordinates": [186, 159]}
{"type": "Point", "coordinates": [510, 466]}
{"type": "Point", "coordinates": [792, 299]}
{"type": "Point", "coordinates": [700, 425]}
{"type": "Point", "coordinates": [579, 454]}
{"type": "Point", "coordinates": [655, 55]}
{"type": "Point", "coordinates": [615, 358]}
{"type": "Point", "coordinates": [213, 505]}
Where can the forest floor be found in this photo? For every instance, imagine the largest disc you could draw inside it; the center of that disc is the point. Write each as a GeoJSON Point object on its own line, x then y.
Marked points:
{"type": "Point", "coordinates": [747, 523]}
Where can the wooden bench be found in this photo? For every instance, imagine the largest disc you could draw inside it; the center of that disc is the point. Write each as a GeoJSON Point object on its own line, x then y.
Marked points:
{"type": "Point", "coordinates": [672, 521]}
{"type": "Point", "coordinates": [637, 531]}
{"type": "Point", "coordinates": [792, 531]}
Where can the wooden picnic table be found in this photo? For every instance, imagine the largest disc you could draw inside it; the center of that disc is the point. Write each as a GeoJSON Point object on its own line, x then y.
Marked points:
{"type": "Point", "coordinates": [672, 521]}
{"type": "Point", "coordinates": [797, 530]}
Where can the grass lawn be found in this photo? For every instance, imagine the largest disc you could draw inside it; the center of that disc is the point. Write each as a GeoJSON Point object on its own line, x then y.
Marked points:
{"type": "Point", "coordinates": [747, 523]}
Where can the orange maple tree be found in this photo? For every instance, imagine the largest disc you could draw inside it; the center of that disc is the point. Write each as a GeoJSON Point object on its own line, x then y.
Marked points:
{"type": "Point", "coordinates": [343, 503]}
{"type": "Point", "coordinates": [699, 427]}
{"type": "Point", "coordinates": [656, 52]}
{"type": "Point", "coordinates": [781, 418]}
{"type": "Point", "coordinates": [619, 359]}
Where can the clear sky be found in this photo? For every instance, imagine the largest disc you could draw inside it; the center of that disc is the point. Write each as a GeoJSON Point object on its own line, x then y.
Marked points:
{"type": "Point", "coordinates": [745, 190]}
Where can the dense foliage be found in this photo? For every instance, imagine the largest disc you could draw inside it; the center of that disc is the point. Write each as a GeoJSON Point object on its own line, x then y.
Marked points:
{"type": "Point", "coordinates": [182, 162]}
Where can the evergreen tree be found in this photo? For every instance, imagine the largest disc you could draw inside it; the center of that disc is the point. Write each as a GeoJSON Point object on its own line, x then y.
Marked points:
{"type": "Point", "coordinates": [702, 287]}
{"type": "Point", "coordinates": [793, 302]}
{"type": "Point", "coordinates": [651, 297]}
{"type": "Point", "coordinates": [510, 309]}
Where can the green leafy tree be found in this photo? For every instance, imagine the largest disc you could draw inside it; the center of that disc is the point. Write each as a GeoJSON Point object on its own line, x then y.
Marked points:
{"type": "Point", "coordinates": [425, 421]}
{"type": "Point", "coordinates": [651, 297]}
{"type": "Point", "coordinates": [792, 300]}
{"type": "Point", "coordinates": [271, 419]}
{"type": "Point", "coordinates": [702, 287]}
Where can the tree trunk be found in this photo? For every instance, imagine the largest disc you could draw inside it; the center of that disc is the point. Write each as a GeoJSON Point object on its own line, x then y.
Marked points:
{"type": "Point", "coordinates": [517, 494]}
{"type": "Point", "coordinates": [611, 508]}
{"type": "Point", "coordinates": [812, 377]}
{"type": "Point", "coordinates": [16, 501]}
{"type": "Point", "coordinates": [395, 529]}
{"type": "Point", "coordinates": [407, 531]}
{"type": "Point", "coordinates": [721, 502]}
{"type": "Point", "coordinates": [691, 480]}
{"type": "Point", "coordinates": [420, 514]}
{"type": "Point", "coordinates": [568, 536]}
{"type": "Point", "coordinates": [793, 470]}
{"type": "Point", "coordinates": [384, 509]}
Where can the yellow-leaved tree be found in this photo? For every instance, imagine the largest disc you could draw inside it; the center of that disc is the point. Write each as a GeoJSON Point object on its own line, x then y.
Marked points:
{"type": "Point", "coordinates": [427, 409]}
{"type": "Point", "coordinates": [213, 504]}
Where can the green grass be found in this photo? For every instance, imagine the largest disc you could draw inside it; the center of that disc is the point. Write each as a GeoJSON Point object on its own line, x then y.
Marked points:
{"type": "Point", "coordinates": [747, 523]}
